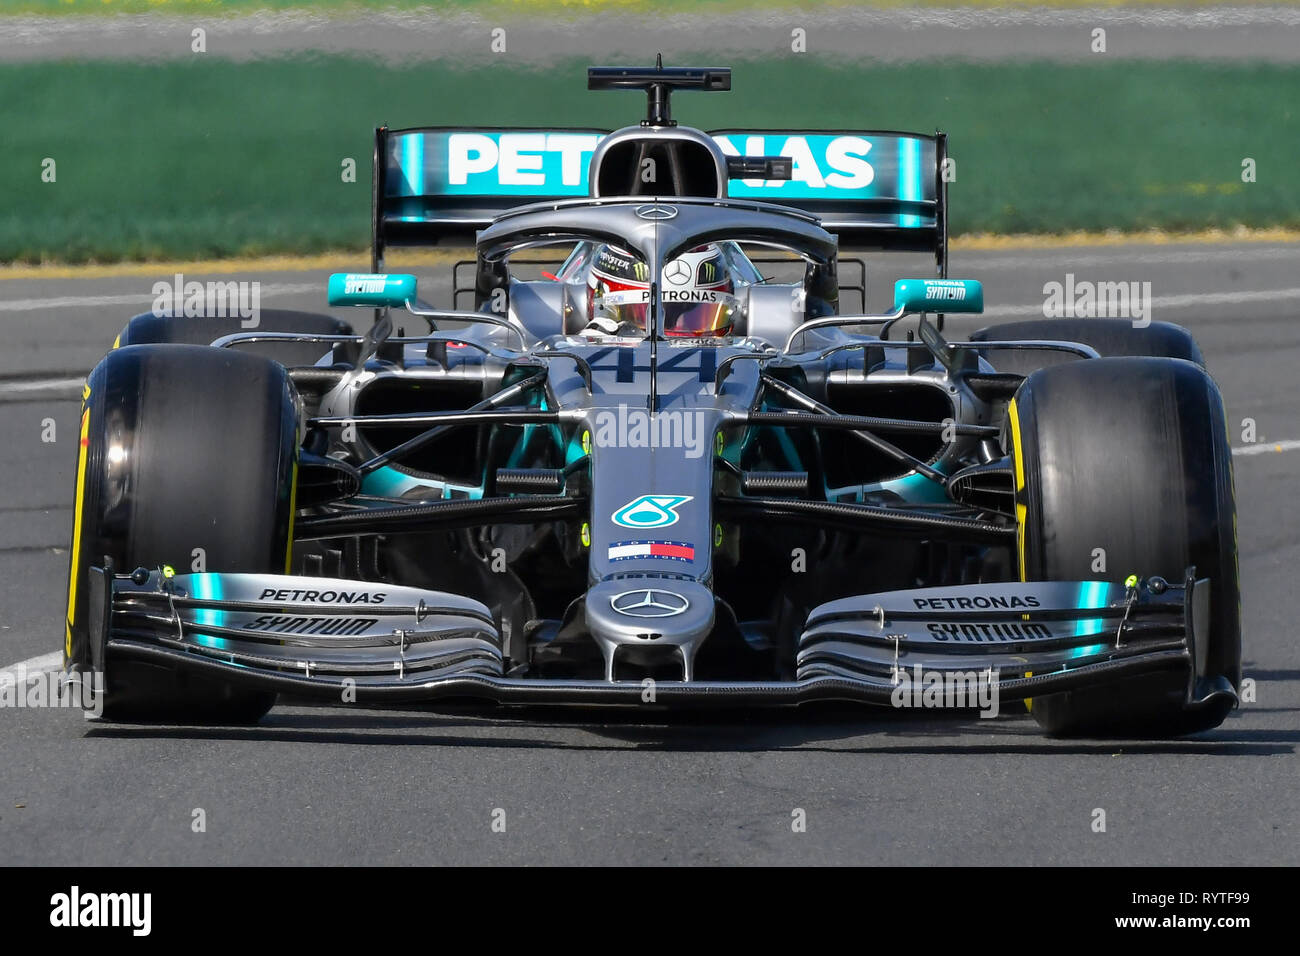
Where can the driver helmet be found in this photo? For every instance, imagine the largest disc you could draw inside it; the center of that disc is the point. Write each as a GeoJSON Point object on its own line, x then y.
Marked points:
{"type": "Point", "coordinates": [696, 288]}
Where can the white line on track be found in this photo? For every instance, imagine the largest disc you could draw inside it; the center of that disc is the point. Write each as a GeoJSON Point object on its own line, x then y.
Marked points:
{"type": "Point", "coordinates": [267, 290]}
{"type": "Point", "coordinates": [1189, 300]}
{"type": "Point", "coordinates": [31, 667]}
{"type": "Point", "coordinates": [41, 385]}
{"type": "Point", "coordinates": [978, 260]}
{"type": "Point", "coordinates": [1266, 447]}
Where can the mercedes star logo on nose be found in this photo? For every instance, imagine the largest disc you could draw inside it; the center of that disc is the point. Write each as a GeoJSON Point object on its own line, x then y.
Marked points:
{"type": "Point", "coordinates": [649, 602]}
{"type": "Point", "coordinates": [677, 272]}
{"type": "Point", "coordinates": [656, 211]}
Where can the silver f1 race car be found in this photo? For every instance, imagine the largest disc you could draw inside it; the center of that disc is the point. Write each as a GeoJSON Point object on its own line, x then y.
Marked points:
{"type": "Point", "coordinates": [656, 475]}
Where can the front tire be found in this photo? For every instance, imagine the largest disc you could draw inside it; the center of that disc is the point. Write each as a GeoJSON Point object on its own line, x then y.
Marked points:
{"type": "Point", "coordinates": [187, 452]}
{"type": "Point", "coordinates": [1129, 456]}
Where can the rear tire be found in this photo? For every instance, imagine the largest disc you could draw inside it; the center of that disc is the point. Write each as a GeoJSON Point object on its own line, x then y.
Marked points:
{"type": "Point", "coordinates": [184, 447]}
{"type": "Point", "coordinates": [150, 329]}
{"type": "Point", "coordinates": [1109, 337]}
{"type": "Point", "coordinates": [1129, 455]}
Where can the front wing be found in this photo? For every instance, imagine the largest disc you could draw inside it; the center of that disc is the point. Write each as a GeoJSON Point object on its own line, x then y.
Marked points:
{"type": "Point", "coordinates": [366, 642]}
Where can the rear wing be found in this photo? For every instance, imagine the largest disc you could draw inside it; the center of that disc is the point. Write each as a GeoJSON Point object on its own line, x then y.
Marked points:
{"type": "Point", "coordinates": [875, 189]}
{"type": "Point", "coordinates": [436, 185]}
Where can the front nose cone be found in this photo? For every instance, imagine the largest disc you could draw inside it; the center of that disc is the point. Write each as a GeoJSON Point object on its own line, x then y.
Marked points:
{"type": "Point", "coordinates": [629, 616]}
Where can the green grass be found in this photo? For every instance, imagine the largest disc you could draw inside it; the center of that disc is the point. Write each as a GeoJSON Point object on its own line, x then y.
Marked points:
{"type": "Point", "coordinates": [210, 158]}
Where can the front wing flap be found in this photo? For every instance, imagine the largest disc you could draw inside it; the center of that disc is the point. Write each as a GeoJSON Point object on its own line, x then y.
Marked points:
{"type": "Point", "coordinates": [372, 634]}
{"type": "Point", "coordinates": [314, 637]}
{"type": "Point", "coordinates": [1026, 638]}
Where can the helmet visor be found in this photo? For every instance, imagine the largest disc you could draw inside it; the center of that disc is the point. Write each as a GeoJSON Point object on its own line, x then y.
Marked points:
{"type": "Point", "coordinates": [700, 318]}
{"type": "Point", "coordinates": [627, 305]}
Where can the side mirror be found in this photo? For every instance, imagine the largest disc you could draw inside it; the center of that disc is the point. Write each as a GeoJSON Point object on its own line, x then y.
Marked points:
{"type": "Point", "coordinates": [372, 290]}
{"type": "Point", "coordinates": [939, 295]}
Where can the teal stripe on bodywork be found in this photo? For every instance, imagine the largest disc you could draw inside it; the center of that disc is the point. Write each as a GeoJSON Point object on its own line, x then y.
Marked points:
{"type": "Point", "coordinates": [909, 176]}
{"type": "Point", "coordinates": [914, 488]}
{"type": "Point", "coordinates": [207, 587]}
{"type": "Point", "coordinates": [573, 452]}
{"type": "Point", "coordinates": [388, 482]}
{"type": "Point", "coordinates": [1092, 594]}
{"type": "Point", "coordinates": [413, 164]}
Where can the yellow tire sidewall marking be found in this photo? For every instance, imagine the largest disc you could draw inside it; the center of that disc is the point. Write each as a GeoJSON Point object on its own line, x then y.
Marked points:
{"type": "Point", "coordinates": [1022, 510]}
{"type": "Point", "coordinates": [74, 572]}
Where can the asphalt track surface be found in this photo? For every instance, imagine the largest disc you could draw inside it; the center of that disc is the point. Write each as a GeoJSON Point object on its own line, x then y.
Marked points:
{"type": "Point", "coordinates": [1243, 32]}
{"type": "Point", "coordinates": [314, 785]}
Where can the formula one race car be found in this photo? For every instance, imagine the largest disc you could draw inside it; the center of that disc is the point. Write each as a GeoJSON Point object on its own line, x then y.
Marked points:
{"type": "Point", "coordinates": [655, 475]}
